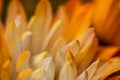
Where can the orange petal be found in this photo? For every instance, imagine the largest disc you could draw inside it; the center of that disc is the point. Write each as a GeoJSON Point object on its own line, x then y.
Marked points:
{"type": "Point", "coordinates": [84, 21]}
{"type": "Point", "coordinates": [4, 52]}
{"type": "Point", "coordinates": [79, 22]}
{"type": "Point", "coordinates": [1, 7]}
{"type": "Point", "coordinates": [113, 78]}
{"type": "Point", "coordinates": [24, 74]}
{"type": "Point", "coordinates": [70, 6]}
{"type": "Point", "coordinates": [5, 70]}
{"type": "Point", "coordinates": [105, 53]}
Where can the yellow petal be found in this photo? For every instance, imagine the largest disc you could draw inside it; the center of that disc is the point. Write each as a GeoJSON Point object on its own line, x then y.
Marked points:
{"type": "Point", "coordinates": [23, 61]}
{"type": "Point", "coordinates": [69, 57]}
{"type": "Point", "coordinates": [24, 74]}
{"type": "Point", "coordinates": [5, 70]}
{"type": "Point", "coordinates": [10, 34]}
{"type": "Point", "coordinates": [39, 74]}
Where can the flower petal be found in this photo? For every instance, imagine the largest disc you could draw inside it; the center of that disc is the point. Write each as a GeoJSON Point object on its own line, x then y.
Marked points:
{"type": "Point", "coordinates": [89, 72]}
{"type": "Point", "coordinates": [49, 67]}
{"type": "Point", "coordinates": [39, 74]}
{"type": "Point", "coordinates": [68, 71]}
{"type": "Point", "coordinates": [4, 51]}
{"type": "Point", "coordinates": [40, 24]}
{"type": "Point", "coordinates": [87, 41]}
{"type": "Point", "coordinates": [58, 44]}
{"type": "Point", "coordinates": [107, 52]}
{"type": "Point", "coordinates": [15, 9]}
{"type": "Point", "coordinates": [23, 61]}
{"type": "Point", "coordinates": [53, 34]}
{"type": "Point", "coordinates": [73, 47]}
{"type": "Point", "coordinates": [5, 70]}
{"type": "Point", "coordinates": [21, 44]}
{"type": "Point", "coordinates": [38, 60]}
{"type": "Point", "coordinates": [108, 68]}
{"type": "Point", "coordinates": [24, 75]}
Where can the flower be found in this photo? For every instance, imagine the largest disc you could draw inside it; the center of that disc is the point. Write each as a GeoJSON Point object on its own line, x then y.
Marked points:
{"type": "Point", "coordinates": [54, 47]}
{"type": "Point", "coordinates": [107, 22]}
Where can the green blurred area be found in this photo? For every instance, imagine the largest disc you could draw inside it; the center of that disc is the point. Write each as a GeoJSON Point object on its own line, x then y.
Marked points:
{"type": "Point", "coordinates": [30, 6]}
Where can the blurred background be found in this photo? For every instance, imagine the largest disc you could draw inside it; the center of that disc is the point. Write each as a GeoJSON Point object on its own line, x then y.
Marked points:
{"type": "Point", "coordinates": [30, 5]}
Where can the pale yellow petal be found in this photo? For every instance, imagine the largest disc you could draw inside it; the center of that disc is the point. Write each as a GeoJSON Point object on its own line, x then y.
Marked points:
{"type": "Point", "coordinates": [49, 67]}
{"type": "Point", "coordinates": [53, 34]}
{"type": "Point", "coordinates": [58, 44]}
{"type": "Point", "coordinates": [89, 72]}
{"type": "Point", "coordinates": [73, 47]}
{"type": "Point", "coordinates": [21, 44]}
{"type": "Point", "coordinates": [68, 71]}
{"type": "Point", "coordinates": [87, 41]}
{"type": "Point", "coordinates": [38, 60]}
{"type": "Point", "coordinates": [39, 74]}
{"type": "Point", "coordinates": [40, 24]}
{"type": "Point", "coordinates": [59, 61]}
{"type": "Point", "coordinates": [89, 56]}
{"type": "Point", "coordinates": [14, 29]}
{"type": "Point", "coordinates": [107, 69]}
